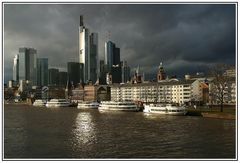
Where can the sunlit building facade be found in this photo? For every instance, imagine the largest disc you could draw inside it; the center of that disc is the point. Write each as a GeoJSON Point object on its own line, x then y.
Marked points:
{"type": "Point", "coordinates": [88, 52]}
{"type": "Point", "coordinates": [28, 64]}
{"type": "Point", "coordinates": [16, 68]}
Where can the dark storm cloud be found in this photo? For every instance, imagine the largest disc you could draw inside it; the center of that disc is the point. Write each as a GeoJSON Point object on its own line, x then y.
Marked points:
{"type": "Point", "coordinates": [181, 36]}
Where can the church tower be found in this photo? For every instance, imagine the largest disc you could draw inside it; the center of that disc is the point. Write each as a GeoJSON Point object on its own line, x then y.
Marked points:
{"type": "Point", "coordinates": [161, 74]}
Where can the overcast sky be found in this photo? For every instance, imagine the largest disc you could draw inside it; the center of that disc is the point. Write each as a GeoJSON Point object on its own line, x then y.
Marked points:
{"type": "Point", "coordinates": [186, 37]}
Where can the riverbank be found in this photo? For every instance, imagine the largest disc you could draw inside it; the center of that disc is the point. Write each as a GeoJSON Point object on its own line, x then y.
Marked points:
{"type": "Point", "coordinates": [229, 112]}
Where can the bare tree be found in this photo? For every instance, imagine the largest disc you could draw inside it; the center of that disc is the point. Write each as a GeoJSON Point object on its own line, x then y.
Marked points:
{"type": "Point", "coordinates": [219, 83]}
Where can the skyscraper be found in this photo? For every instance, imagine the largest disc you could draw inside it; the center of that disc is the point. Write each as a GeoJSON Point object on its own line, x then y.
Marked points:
{"type": "Point", "coordinates": [93, 57]}
{"type": "Point", "coordinates": [75, 72]}
{"type": "Point", "coordinates": [28, 64]}
{"type": "Point", "coordinates": [42, 71]}
{"type": "Point", "coordinates": [125, 72]}
{"type": "Point", "coordinates": [63, 77]}
{"type": "Point", "coordinates": [88, 52]}
{"type": "Point", "coordinates": [16, 68]}
{"type": "Point", "coordinates": [112, 60]}
{"type": "Point", "coordinates": [109, 49]}
{"type": "Point", "coordinates": [53, 77]}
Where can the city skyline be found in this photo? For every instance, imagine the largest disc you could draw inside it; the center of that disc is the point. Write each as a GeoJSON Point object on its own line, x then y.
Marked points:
{"type": "Point", "coordinates": [183, 37]}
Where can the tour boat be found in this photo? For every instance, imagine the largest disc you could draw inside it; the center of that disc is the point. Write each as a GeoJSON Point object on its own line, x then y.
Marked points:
{"type": "Point", "coordinates": [58, 103]}
{"type": "Point", "coordinates": [88, 105]}
{"type": "Point", "coordinates": [169, 109]}
{"type": "Point", "coordinates": [39, 103]}
{"type": "Point", "coordinates": [118, 106]}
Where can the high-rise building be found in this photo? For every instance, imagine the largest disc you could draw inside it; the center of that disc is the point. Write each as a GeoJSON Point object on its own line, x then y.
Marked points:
{"type": "Point", "coordinates": [93, 57]}
{"type": "Point", "coordinates": [16, 68]}
{"type": "Point", "coordinates": [109, 49]}
{"type": "Point", "coordinates": [112, 54]}
{"type": "Point", "coordinates": [28, 64]}
{"type": "Point", "coordinates": [63, 77]}
{"type": "Point", "coordinates": [125, 72]}
{"type": "Point", "coordinates": [75, 72]}
{"type": "Point", "coordinates": [116, 74]}
{"type": "Point", "coordinates": [42, 71]}
{"type": "Point", "coordinates": [116, 56]}
{"type": "Point", "coordinates": [88, 52]}
{"type": "Point", "coordinates": [112, 60]}
{"type": "Point", "coordinates": [53, 77]}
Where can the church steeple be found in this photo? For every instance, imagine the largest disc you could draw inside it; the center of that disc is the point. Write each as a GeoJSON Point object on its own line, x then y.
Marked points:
{"type": "Point", "coordinates": [161, 74]}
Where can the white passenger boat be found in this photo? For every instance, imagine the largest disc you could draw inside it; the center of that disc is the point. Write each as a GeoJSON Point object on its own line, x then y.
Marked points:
{"type": "Point", "coordinates": [58, 103]}
{"type": "Point", "coordinates": [39, 103]}
{"type": "Point", "coordinates": [169, 109]}
{"type": "Point", "coordinates": [118, 106]}
{"type": "Point", "coordinates": [88, 105]}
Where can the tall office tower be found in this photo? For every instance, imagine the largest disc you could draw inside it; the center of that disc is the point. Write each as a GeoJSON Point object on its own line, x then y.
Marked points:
{"type": "Point", "coordinates": [103, 72]}
{"type": "Point", "coordinates": [63, 77]}
{"type": "Point", "coordinates": [161, 74]}
{"type": "Point", "coordinates": [125, 72]}
{"type": "Point", "coordinates": [109, 48]}
{"type": "Point", "coordinates": [75, 72]}
{"type": "Point", "coordinates": [16, 68]}
{"type": "Point", "coordinates": [116, 74]}
{"type": "Point", "coordinates": [42, 71]}
{"type": "Point", "coordinates": [93, 57]}
{"type": "Point", "coordinates": [116, 56]}
{"type": "Point", "coordinates": [88, 52]}
{"type": "Point", "coordinates": [28, 64]}
{"type": "Point", "coordinates": [112, 54]}
{"type": "Point", "coordinates": [112, 60]}
{"type": "Point", "coordinates": [53, 77]}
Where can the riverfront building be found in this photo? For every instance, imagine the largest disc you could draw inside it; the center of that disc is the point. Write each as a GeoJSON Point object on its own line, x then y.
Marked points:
{"type": "Point", "coordinates": [88, 52]}
{"type": "Point", "coordinates": [42, 71]}
{"type": "Point", "coordinates": [170, 92]}
{"type": "Point", "coordinates": [16, 68]}
{"type": "Point", "coordinates": [28, 64]}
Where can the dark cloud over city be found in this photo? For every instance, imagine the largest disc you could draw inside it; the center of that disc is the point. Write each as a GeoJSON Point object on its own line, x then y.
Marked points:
{"type": "Point", "coordinates": [186, 37]}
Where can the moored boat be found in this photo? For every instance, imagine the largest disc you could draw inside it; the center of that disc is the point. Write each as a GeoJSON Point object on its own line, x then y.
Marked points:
{"type": "Point", "coordinates": [39, 103]}
{"type": "Point", "coordinates": [88, 105]}
{"type": "Point", "coordinates": [168, 109]}
{"type": "Point", "coordinates": [118, 106]}
{"type": "Point", "coordinates": [58, 103]}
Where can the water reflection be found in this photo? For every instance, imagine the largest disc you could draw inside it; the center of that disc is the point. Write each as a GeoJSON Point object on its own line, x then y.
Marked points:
{"type": "Point", "coordinates": [83, 130]}
{"type": "Point", "coordinates": [157, 116]}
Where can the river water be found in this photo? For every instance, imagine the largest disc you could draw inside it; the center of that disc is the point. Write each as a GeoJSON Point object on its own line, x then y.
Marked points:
{"type": "Point", "coordinates": [43, 133]}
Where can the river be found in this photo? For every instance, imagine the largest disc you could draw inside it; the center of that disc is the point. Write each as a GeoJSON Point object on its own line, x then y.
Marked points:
{"type": "Point", "coordinates": [65, 133]}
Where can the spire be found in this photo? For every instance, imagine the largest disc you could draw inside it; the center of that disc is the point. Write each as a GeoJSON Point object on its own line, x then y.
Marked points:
{"type": "Point", "coordinates": [81, 20]}
{"type": "Point", "coordinates": [160, 65]}
{"type": "Point", "coordinates": [137, 71]}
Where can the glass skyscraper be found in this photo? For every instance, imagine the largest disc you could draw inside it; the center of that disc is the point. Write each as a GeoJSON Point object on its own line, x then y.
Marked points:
{"type": "Point", "coordinates": [16, 68]}
{"type": "Point", "coordinates": [28, 64]}
{"type": "Point", "coordinates": [75, 72]}
{"type": "Point", "coordinates": [112, 54]}
{"type": "Point", "coordinates": [53, 77]}
{"type": "Point", "coordinates": [112, 60]}
{"type": "Point", "coordinates": [88, 52]}
{"type": "Point", "coordinates": [125, 72]}
{"type": "Point", "coordinates": [42, 71]}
